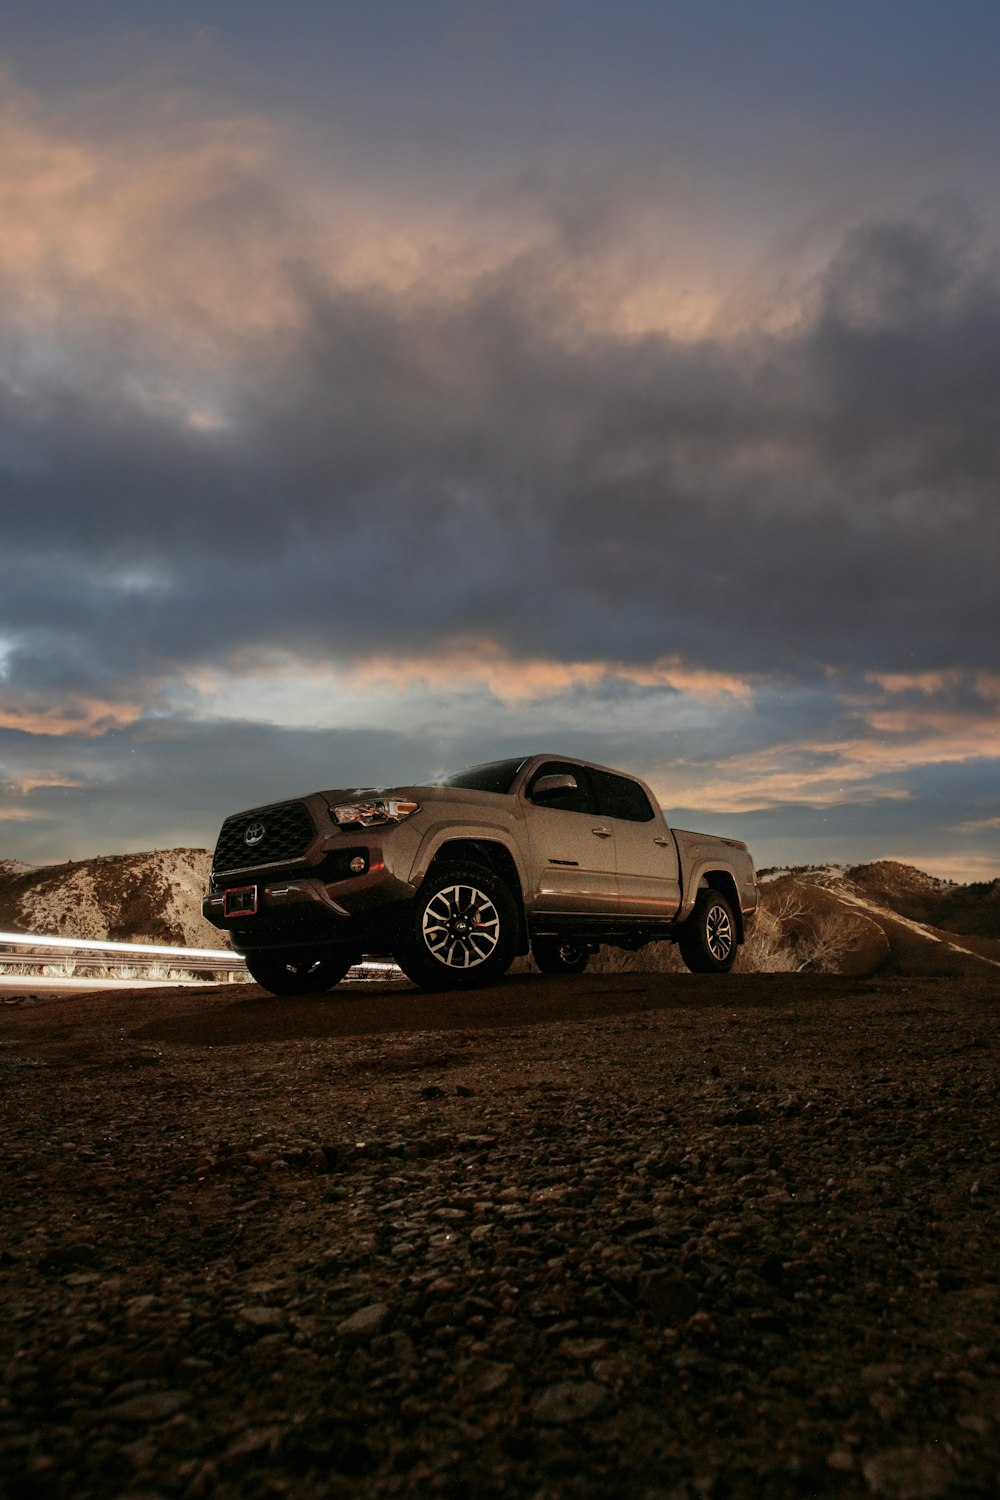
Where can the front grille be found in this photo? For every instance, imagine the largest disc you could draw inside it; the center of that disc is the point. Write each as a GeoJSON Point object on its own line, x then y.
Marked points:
{"type": "Point", "coordinates": [288, 829]}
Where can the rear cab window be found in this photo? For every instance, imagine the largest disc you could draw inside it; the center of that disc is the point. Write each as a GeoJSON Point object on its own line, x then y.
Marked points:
{"type": "Point", "coordinates": [618, 797]}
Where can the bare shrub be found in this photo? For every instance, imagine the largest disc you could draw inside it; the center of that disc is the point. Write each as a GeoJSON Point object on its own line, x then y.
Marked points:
{"type": "Point", "coordinates": [767, 948]}
{"type": "Point", "coordinates": [827, 941]}
{"type": "Point", "coordinates": [654, 958]}
{"type": "Point", "coordinates": [164, 973]}
{"type": "Point", "coordinates": [786, 938]}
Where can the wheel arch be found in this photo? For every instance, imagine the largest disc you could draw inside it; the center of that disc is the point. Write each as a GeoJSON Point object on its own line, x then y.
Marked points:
{"type": "Point", "coordinates": [495, 856]}
{"type": "Point", "coordinates": [724, 882]}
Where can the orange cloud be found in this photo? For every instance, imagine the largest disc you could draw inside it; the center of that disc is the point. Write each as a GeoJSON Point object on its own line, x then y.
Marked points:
{"type": "Point", "coordinates": [89, 717]}
{"type": "Point", "coordinates": [985, 684]}
{"type": "Point", "coordinates": [199, 234]}
{"type": "Point", "coordinates": [823, 773]}
{"type": "Point", "coordinates": [894, 740]}
{"type": "Point", "coordinates": [469, 664]}
{"type": "Point", "coordinates": [140, 225]}
{"type": "Point", "coordinates": [773, 778]}
{"type": "Point", "coordinates": [515, 680]}
{"type": "Point", "coordinates": [916, 682]}
{"type": "Point", "coordinates": [35, 781]}
{"type": "Point", "coordinates": [977, 825]}
{"type": "Point", "coordinates": [961, 864]}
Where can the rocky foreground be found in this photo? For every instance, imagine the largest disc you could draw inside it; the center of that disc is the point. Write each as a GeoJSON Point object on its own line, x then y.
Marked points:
{"type": "Point", "coordinates": [635, 1235]}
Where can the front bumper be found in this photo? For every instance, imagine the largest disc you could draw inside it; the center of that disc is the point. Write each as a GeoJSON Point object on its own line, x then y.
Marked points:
{"type": "Point", "coordinates": [306, 910]}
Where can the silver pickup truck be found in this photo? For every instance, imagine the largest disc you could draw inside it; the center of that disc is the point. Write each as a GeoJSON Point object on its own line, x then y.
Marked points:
{"type": "Point", "coordinates": [453, 878]}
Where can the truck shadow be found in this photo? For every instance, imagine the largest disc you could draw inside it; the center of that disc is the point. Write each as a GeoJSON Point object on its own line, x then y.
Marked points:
{"type": "Point", "coordinates": [520, 1000]}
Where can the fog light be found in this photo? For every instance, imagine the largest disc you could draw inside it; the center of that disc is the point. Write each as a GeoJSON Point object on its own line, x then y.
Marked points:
{"type": "Point", "coordinates": [357, 865]}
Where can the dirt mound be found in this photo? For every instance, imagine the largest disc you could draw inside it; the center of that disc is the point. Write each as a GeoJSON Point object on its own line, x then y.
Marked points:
{"type": "Point", "coordinates": [153, 897]}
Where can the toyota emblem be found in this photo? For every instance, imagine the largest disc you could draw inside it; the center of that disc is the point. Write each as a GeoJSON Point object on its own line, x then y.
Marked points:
{"type": "Point", "coordinates": [254, 833]}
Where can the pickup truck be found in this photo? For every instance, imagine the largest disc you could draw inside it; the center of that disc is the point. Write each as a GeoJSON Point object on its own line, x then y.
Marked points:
{"type": "Point", "coordinates": [455, 877]}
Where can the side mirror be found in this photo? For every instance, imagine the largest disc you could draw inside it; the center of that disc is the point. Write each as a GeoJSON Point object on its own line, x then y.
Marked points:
{"type": "Point", "coordinates": [551, 788]}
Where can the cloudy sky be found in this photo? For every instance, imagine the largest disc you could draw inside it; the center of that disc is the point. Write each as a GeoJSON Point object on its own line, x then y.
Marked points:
{"type": "Point", "coordinates": [386, 387]}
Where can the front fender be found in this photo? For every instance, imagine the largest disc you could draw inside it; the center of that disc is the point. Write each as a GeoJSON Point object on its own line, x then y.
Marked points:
{"type": "Point", "coordinates": [459, 831]}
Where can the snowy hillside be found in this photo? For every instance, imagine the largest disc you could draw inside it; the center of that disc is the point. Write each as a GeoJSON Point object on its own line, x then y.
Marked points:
{"type": "Point", "coordinates": [152, 898]}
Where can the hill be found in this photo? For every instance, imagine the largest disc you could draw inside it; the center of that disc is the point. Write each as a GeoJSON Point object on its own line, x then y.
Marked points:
{"type": "Point", "coordinates": [971, 909]}
{"type": "Point", "coordinates": [881, 917]}
{"type": "Point", "coordinates": [141, 898]}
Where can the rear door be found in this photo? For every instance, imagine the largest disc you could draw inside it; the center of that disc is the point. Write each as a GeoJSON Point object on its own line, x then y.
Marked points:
{"type": "Point", "coordinates": [646, 855]}
{"type": "Point", "coordinates": [572, 849]}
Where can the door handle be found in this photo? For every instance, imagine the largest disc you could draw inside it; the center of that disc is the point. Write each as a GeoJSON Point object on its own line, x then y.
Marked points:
{"type": "Point", "coordinates": [602, 833]}
{"type": "Point", "coordinates": [664, 843]}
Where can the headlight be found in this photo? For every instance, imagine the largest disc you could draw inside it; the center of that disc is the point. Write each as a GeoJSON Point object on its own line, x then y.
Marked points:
{"type": "Point", "coordinates": [375, 810]}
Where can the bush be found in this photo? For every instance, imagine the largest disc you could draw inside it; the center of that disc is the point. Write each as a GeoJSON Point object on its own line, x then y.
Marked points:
{"type": "Point", "coordinates": [786, 937]}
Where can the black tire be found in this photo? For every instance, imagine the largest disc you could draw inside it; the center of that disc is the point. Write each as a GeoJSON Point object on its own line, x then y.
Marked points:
{"type": "Point", "coordinates": [708, 940]}
{"type": "Point", "coordinates": [555, 955]}
{"type": "Point", "coordinates": [287, 974]}
{"type": "Point", "coordinates": [462, 929]}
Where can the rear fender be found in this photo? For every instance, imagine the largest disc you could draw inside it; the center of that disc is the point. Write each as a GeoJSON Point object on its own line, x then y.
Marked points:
{"type": "Point", "coordinates": [708, 877]}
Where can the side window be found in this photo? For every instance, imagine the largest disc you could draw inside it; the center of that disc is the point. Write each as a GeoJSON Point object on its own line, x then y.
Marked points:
{"type": "Point", "coordinates": [580, 801]}
{"type": "Point", "coordinates": [617, 797]}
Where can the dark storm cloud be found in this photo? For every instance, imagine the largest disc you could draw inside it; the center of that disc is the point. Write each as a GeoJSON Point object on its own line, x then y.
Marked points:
{"type": "Point", "coordinates": [400, 474]}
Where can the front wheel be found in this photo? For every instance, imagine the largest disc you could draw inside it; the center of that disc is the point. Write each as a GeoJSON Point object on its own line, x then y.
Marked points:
{"type": "Point", "coordinates": [462, 930]}
{"type": "Point", "coordinates": [287, 974]}
{"type": "Point", "coordinates": [557, 956]}
{"type": "Point", "coordinates": [707, 939]}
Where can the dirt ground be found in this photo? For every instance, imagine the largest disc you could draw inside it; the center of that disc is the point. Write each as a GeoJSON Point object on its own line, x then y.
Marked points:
{"type": "Point", "coordinates": [662, 1236]}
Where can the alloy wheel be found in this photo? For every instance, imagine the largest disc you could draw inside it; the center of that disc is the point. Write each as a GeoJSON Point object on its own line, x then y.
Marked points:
{"type": "Point", "coordinates": [719, 932]}
{"type": "Point", "coordinates": [460, 926]}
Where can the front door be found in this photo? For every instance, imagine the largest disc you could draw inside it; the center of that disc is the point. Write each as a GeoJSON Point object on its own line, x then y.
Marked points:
{"type": "Point", "coordinates": [572, 849]}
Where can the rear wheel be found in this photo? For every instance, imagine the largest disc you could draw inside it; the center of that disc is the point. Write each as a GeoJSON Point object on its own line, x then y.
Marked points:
{"type": "Point", "coordinates": [707, 939]}
{"type": "Point", "coordinates": [462, 929]}
{"type": "Point", "coordinates": [555, 955]}
{"type": "Point", "coordinates": [287, 974]}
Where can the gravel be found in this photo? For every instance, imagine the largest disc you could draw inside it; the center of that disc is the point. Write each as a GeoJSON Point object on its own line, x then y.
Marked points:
{"type": "Point", "coordinates": [659, 1236]}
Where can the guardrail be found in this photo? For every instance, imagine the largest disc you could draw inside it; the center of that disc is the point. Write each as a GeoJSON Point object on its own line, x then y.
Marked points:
{"type": "Point", "coordinates": [23, 954]}
{"type": "Point", "coordinates": [31, 953]}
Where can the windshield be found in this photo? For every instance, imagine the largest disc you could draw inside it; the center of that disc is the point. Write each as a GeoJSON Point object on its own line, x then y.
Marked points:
{"type": "Point", "coordinates": [494, 776]}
